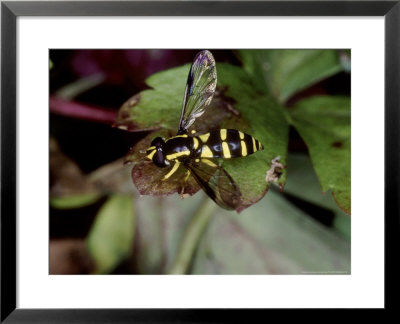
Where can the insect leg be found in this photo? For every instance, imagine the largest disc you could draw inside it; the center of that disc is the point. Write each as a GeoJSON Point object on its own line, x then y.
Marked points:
{"type": "Point", "coordinates": [187, 176]}
{"type": "Point", "coordinates": [173, 170]}
{"type": "Point", "coordinates": [184, 182]}
{"type": "Point", "coordinates": [209, 162]}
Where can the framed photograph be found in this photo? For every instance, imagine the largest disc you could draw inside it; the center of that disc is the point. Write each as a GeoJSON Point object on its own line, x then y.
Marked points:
{"type": "Point", "coordinates": [196, 161]}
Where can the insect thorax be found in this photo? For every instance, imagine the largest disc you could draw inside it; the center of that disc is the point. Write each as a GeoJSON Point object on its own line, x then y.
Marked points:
{"type": "Point", "coordinates": [179, 147]}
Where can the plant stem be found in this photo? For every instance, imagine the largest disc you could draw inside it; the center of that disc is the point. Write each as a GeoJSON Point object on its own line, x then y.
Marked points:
{"type": "Point", "coordinates": [191, 237]}
{"type": "Point", "coordinates": [82, 111]}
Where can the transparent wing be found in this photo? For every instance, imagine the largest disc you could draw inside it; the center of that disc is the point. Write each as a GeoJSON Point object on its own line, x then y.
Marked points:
{"type": "Point", "coordinates": [216, 183]}
{"type": "Point", "coordinates": [200, 88]}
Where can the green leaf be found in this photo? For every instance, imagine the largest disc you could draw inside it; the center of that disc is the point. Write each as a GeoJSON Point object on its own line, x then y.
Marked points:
{"type": "Point", "coordinates": [285, 72]}
{"type": "Point", "coordinates": [324, 124]}
{"type": "Point", "coordinates": [155, 109]}
{"type": "Point", "coordinates": [303, 183]}
{"type": "Point", "coordinates": [74, 201]}
{"type": "Point", "coordinates": [272, 237]}
{"type": "Point", "coordinates": [74, 89]}
{"type": "Point", "coordinates": [261, 117]}
{"type": "Point", "coordinates": [237, 104]}
{"type": "Point", "coordinates": [110, 240]}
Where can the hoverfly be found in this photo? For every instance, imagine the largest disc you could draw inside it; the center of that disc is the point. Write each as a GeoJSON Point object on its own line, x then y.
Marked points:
{"type": "Point", "coordinates": [196, 152]}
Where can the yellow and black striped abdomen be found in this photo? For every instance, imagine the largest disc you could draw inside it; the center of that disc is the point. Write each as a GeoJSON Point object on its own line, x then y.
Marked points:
{"type": "Point", "coordinates": [227, 143]}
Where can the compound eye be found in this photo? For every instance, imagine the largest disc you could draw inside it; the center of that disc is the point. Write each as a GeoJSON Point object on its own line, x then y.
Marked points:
{"type": "Point", "coordinates": [157, 142]}
{"type": "Point", "coordinates": [159, 160]}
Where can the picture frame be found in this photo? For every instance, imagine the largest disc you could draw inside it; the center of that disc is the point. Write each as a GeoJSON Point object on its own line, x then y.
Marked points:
{"type": "Point", "coordinates": [11, 10]}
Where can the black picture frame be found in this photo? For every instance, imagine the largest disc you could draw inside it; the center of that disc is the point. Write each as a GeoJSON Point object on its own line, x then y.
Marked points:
{"type": "Point", "coordinates": [10, 10]}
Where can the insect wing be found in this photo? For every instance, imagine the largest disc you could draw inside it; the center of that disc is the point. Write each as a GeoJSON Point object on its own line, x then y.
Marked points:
{"type": "Point", "coordinates": [217, 183]}
{"type": "Point", "coordinates": [200, 88]}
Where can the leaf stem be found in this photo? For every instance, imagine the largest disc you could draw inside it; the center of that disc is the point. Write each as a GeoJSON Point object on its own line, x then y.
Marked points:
{"type": "Point", "coordinates": [191, 237]}
{"type": "Point", "coordinates": [81, 111]}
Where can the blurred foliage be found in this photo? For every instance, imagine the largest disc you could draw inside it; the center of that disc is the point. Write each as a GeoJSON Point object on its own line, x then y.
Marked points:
{"type": "Point", "coordinates": [252, 243]}
{"type": "Point", "coordinates": [298, 231]}
{"type": "Point", "coordinates": [303, 184]}
{"type": "Point", "coordinates": [285, 72]}
{"type": "Point", "coordinates": [73, 201]}
{"type": "Point", "coordinates": [111, 238]}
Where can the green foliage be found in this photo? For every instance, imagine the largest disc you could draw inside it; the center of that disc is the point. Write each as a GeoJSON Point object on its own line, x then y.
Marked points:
{"type": "Point", "coordinates": [261, 117]}
{"type": "Point", "coordinates": [303, 183]}
{"type": "Point", "coordinates": [162, 223]}
{"type": "Point", "coordinates": [72, 90]}
{"type": "Point", "coordinates": [324, 124]}
{"type": "Point", "coordinates": [111, 237]}
{"type": "Point", "coordinates": [285, 72]}
{"type": "Point", "coordinates": [253, 243]}
{"type": "Point", "coordinates": [74, 201]}
{"type": "Point", "coordinates": [159, 108]}
{"type": "Point", "coordinates": [270, 237]}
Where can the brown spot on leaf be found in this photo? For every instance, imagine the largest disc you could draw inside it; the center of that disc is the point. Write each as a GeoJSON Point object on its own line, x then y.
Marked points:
{"type": "Point", "coordinates": [337, 144]}
{"type": "Point", "coordinates": [124, 114]}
